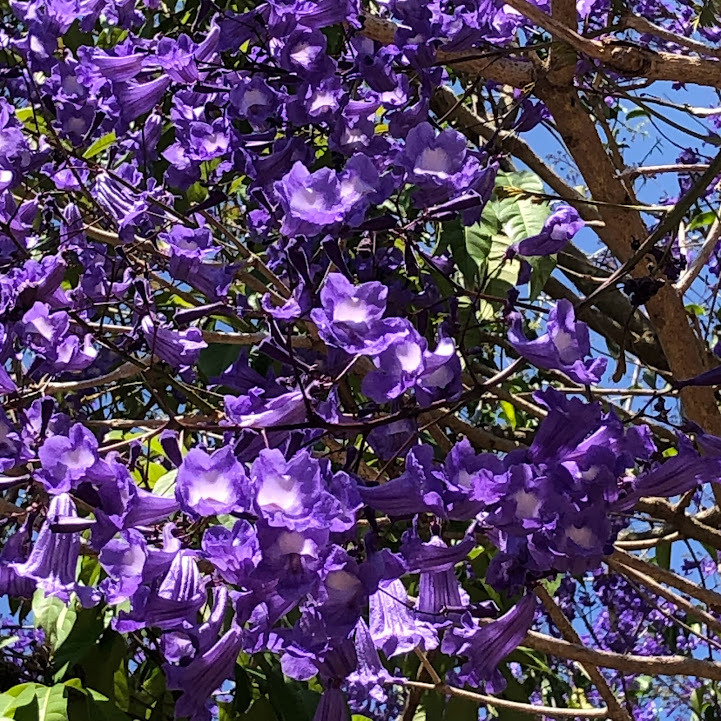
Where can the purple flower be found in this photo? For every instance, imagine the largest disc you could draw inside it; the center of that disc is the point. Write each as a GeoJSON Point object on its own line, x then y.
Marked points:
{"type": "Point", "coordinates": [557, 230]}
{"type": "Point", "coordinates": [209, 484]}
{"type": "Point", "coordinates": [343, 592]}
{"type": "Point", "coordinates": [394, 627]}
{"type": "Point", "coordinates": [291, 562]}
{"type": "Point", "coordinates": [67, 460]}
{"type": "Point", "coordinates": [12, 583]}
{"type": "Point", "coordinates": [393, 440]}
{"type": "Point", "coordinates": [441, 376]}
{"type": "Point", "coordinates": [332, 706]}
{"type": "Point", "coordinates": [399, 365]}
{"type": "Point", "coordinates": [180, 349]}
{"type": "Point", "coordinates": [255, 100]}
{"type": "Point", "coordinates": [486, 646]}
{"type": "Point", "coordinates": [234, 553]}
{"type": "Point", "coordinates": [54, 556]}
{"type": "Point", "coordinates": [123, 559]}
{"type": "Point", "coordinates": [352, 316]}
{"type": "Point", "coordinates": [683, 472]}
{"type": "Point", "coordinates": [194, 243]}
{"type": "Point", "coordinates": [171, 603]}
{"type": "Point", "coordinates": [304, 52]}
{"type": "Point", "coordinates": [204, 675]}
{"type": "Point", "coordinates": [563, 347]}
{"type": "Point", "coordinates": [311, 202]}
{"type": "Point", "coordinates": [118, 68]}
{"type": "Point", "coordinates": [179, 57]}
{"type": "Point", "coordinates": [45, 329]}
{"type": "Point", "coordinates": [418, 490]}
{"type": "Point", "coordinates": [438, 593]}
{"type": "Point", "coordinates": [439, 165]}
{"type": "Point", "coordinates": [255, 410]}
{"type": "Point", "coordinates": [366, 686]}
{"type": "Point", "coordinates": [293, 494]}
{"type": "Point", "coordinates": [135, 99]}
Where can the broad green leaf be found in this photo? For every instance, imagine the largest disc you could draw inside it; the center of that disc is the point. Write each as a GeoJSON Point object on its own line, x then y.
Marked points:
{"type": "Point", "coordinates": [508, 218]}
{"type": "Point", "coordinates": [16, 697]}
{"type": "Point", "coordinates": [99, 145]}
{"type": "Point", "coordinates": [165, 485]}
{"type": "Point", "coordinates": [88, 705]}
{"type": "Point", "coordinates": [261, 710]}
{"type": "Point", "coordinates": [103, 667]}
{"type": "Point", "coordinates": [478, 243]}
{"type": "Point", "coordinates": [54, 617]}
{"type": "Point", "coordinates": [243, 694]}
{"type": "Point", "coordinates": [82, 637]}
{"type": "Point", "coordinates": [48, 704]}
{"type": "Point", "coordinates": [541, 269]}
{"type": "Point", "coordinates": [453, 236]}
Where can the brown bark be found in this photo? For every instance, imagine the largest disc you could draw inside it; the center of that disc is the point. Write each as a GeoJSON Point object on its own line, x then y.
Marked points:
{"type": "Point", "coordinates": [622, 227]}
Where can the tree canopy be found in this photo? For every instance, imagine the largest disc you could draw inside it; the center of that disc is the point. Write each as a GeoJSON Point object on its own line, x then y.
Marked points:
{"type": "Point", "coordinates": [358, 360]}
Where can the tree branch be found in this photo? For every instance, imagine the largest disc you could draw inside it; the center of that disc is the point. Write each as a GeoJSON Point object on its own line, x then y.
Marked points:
{"type": "Point", "coordinates": [615, 710]}
{"type": "Point", "coordinates": [524, 708]}
{"type": "Point", "coordinates": [499, 69]}
{"type": "Point", "coordinates": [624, 59]}
{"type": "Point", "coordinates": [698, 263]}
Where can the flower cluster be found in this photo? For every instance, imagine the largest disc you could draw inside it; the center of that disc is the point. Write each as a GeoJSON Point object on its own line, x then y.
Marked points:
{"type": "Point", "coordinates": [278, 180]}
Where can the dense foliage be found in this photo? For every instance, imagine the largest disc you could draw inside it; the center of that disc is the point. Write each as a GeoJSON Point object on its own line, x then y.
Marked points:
{"type": "Point", "coordinates": [349, 354]}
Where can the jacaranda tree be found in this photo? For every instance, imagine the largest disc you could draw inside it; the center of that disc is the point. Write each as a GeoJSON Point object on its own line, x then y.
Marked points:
{"type": "Point", "coordinates": [358, 359]}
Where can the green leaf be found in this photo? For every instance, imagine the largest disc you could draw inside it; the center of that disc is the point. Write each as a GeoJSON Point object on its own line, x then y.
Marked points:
{"type": "Point", "coordinates": [508, 218]}
{"type": "Point", "coordinates": [83, 636]}
{"type": "Point", "coordinates": [243, 690]}
{"type": "Point", "coordinates": [695, 309]}
{"type": "Point", "coordinates": [636, 113]}
{"type": "Point", "coordinates": [54, 617]}
{"type": "Point", "coordinates": [99, 145]}
{"type": "Point", "coordinates": [461, 709]}
{"type": "Point", "coordinates": [510, 413]}
{"type": "Point", "coordinates": [478, 243]}
{"type": "Point", "coordinates": [702, 220]}
{"type": "Point", "coordinates": [453, 236]}
{"type": "Point", "coordinates": [663, 555]}
{"type": "Point", "coordinates": [104, 668]}
{"type": "Point", "coordinates": [287, 701]}
{"type": "Point", "coordinates": [261, 710]}
{"type": "Point", "coordinates": [541, 268]}
{"type": "Point", "coordinates": [165, 485]}
{"type": "Point", "coordinates": [48, 704]}
{"type": "Point", "coordinates": [217, 357]}
{"type": "Point", "coordinates": [16, 697]}
{"type": "Point", "coordinates": [9, 641]}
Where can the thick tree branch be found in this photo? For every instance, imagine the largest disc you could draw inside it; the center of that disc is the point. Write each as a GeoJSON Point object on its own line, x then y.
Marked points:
{"type": "Point", "coordinates": [624, 59]}
{"type": "Point", "coordinates": [687, 525]}
{"type": "Point", "coordinates": [707, 596]}
{"type": "Point", "coordinates": [660, 590]}
{"type": "Point", "coordinates": [499, 69]}
{"type": "Point", "coordinates": [624, 662]}
{"type": "Point", "coordinates": [623, 227]}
